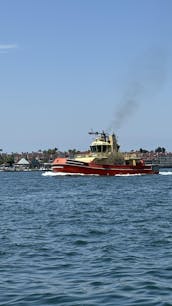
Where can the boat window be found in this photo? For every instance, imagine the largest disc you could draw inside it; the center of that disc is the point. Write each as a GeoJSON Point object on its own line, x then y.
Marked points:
{"type": "Point", "coordinates": [98, 148]}
{"type": "Point", "coordinates": [104, 148]}
{"type": "Point", "coordinates": [101, 148]}
{"type": "Point", "coordinates": [93, 148]}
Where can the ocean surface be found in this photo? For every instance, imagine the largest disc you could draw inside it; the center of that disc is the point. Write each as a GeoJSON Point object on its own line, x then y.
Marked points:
{"type": "Point", "coordinates": [85, 240]}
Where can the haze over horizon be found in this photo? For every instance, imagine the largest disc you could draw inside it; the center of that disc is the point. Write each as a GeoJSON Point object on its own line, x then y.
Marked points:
{"type": "Point", "coordinates": [71, 66]}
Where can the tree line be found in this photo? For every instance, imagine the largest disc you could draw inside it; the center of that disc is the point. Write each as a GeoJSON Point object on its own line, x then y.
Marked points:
{"type": "Point", "coordinates": [157, 150]}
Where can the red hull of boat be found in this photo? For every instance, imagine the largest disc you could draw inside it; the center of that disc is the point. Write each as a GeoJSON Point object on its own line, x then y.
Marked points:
{"type": "Point", "coordinates": [61, 165]}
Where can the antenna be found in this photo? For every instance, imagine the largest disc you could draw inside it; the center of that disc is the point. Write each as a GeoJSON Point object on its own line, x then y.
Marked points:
{"type": "Point", "coordinates": [103, 135]}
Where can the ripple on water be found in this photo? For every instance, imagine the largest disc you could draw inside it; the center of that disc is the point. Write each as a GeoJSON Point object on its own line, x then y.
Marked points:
{"type": "Point", "coordinates": [85, 240]}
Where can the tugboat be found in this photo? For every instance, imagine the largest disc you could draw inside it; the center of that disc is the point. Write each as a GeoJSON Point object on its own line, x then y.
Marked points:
{"type": "Point", "coordinates": [103, 158]}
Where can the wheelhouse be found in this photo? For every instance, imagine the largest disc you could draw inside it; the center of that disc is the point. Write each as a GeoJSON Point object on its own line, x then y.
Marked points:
{"type": "Point", "coordinates": [100, 147]}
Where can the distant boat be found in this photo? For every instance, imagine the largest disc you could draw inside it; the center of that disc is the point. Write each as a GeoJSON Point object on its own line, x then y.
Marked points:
{"type": "Point", "coordinates": [105, 159]}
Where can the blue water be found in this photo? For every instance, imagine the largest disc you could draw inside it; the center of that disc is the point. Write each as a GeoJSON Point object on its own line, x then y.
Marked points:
{"type": "Point", "coordinates": [85, 240]}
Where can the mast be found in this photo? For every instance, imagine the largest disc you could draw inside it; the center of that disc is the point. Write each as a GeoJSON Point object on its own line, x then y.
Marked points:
{"type": "Point", "coordinates": [102, 134]}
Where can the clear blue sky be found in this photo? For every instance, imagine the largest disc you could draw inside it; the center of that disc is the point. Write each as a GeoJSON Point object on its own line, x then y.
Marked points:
{"type": "Point", "coordinates": [67, 66]}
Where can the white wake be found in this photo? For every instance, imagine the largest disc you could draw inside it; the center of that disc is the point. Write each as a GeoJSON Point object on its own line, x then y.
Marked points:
{"type": "Point", "coordinates": [136, 174]}
{"type": "Point", "coordinates": [165, 172]}
{"type": "Point", "coordinates": [50, 173]}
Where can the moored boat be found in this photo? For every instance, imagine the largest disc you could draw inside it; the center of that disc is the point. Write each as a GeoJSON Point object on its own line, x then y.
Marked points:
{"type": "Point", "coordinates": [105, 159]}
